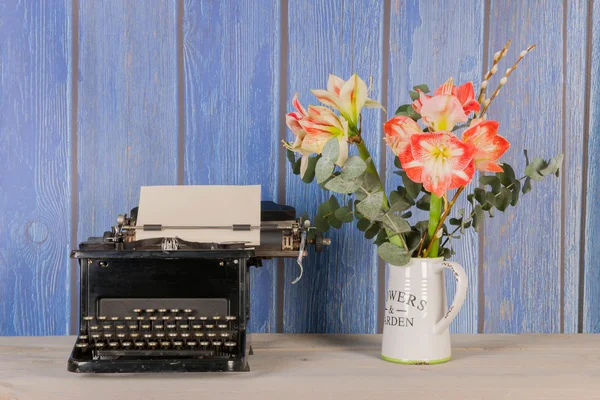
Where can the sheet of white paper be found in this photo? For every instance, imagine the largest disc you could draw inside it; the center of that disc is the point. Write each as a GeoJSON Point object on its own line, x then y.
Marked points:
{"type": "Point", "coordinates": [200, 206]}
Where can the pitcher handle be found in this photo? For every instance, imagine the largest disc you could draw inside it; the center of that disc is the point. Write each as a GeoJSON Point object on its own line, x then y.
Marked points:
{"type": "Point", "coordinates": [459, 296]}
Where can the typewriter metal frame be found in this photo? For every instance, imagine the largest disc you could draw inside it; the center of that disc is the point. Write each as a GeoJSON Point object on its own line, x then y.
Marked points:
{"type": "Point", "coordinates": [167, 305]}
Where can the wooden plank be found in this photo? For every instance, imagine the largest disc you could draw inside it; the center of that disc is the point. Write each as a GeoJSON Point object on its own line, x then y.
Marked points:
{"type": "Point", "coordinates": [338, 292]}
{"type": "Point", "coordinates": [573, 141]}
{"type": "Point", "coordinates": [591, 314]}
{"type": "Point", "coordinates": [231, 61]}
{"type": "Point", "coordinates": [35, 167]}
{"type": "Point", "coordinates": [428, 44]}
{"type": "Point", "coordinates": [328, 366]}
{"type": "Point", "coordinates": [127, 107]}
{"type": "Point", "coordinates": [522, 247]}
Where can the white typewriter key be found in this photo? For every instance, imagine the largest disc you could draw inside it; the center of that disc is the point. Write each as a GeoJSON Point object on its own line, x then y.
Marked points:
{"type": "Point", "coordinates": [162, 310]}
{"type": "Point", "coordinates": [184, 334]}
{"type": "Point", "coordinates": [128, 318]}
{"type": "Point", "coordinates": [216, 343]}
{"type": "Point", "coordinates": [95, 335]}
{"type": "Point", "coordinates": [173, 334]}
{"type": "Point", "coordinates": [203, 318]}
{"type": "Point", "coordinates": [166, 317]}
{"type": "Point", "coordinates": [81, 345]}
{"type": "Point", "coordinates": [230, 318]}
{"type": "Point", "coordinates": [106, 326]}
{"type": "Point", "coordinates": [204, 343]}
{"type": "Point", "coordinates": [140, 318]}
{"type": "Point", "coordinates": [230, 344]}
{"type": "Point", "coordinates": [134, 334]}
{"type": "Point", "coordinates": [178, 317]}
{"type": "Point", "coordinates": [121, 335]}
{"type": "Point", "coordinates": [114, 318]}
{"type": "Point", "coordinates": [108, 335]}
{"type": "Point", "coordinates": [171, 326]}
{"type": "Point", "coordinates": [216, 317]}
{"type": "Point", "coordinates": [126, 344]}
{"type": "Point", "coordinates": [88, 318]}
{"type": "Point", "coordinates": [191, 317]}
{"type": "Point", "coordinates": [159, 326]}
{"type": "Point", "coordinates": [120, 326]}
{"type": "Point", "coordinates": [99, 344]}
{"type": "Point", "coordinates": [148, 335]}
{"type": "Point", "coordinates": [184, 326]}
{"type": "Point", "coordinates": [137, 310]}
{"type": "Point", "coordinates": [192, 344]}
{"type": "Point", "coordinates": [113, 344]}
{"type": "Point", "coordinates": [94, 327]}
{"type": "Point", "coordinates": [222, 326]}
{"type": "Point", "coordinates": [82, 337]}
{"type": "Point", "coordinates": [224, 334]}
{"type": "Point", "coordinates": [139, 344]}
{"type": "Point", "coordinates": [165, 344]}
{"type": "Point", "coordinates": [152, 344]}
{"type": "Point", "coordinates": [146, 326]}
{"type": "Point", "coordinates": [211, 334]}
{"type": "Point", "coordinates": [133, 326]}
{"type": "Point", "coordinates": [209, 326]}
{"type": "Point", "coordinates": [174, 310]}
{"type": "Point", "coordinates": [197, 326]}
{"type": "Point", "coordinates": [199, 334]}
{"type": "Point", "coordinates": [177, 343]}
{"type": "Point", "coordinates": [187, 310]}
{"type": "Point", "coordinates": [102, 318]}
{"type": "Point", "coordinates": [153, 318]}
{"type": "Point", "coordinates": [160, 334]}
{"type": "Point", "coordinates": [149, 310]}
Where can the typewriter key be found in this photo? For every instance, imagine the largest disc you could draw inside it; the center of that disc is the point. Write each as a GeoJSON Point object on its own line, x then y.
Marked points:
{"type": "Point", "coordinates": [203, 318]}
{"type": "Point", "coordinates": [209, 326]}
{"type": "Point", "coordinates": [171, 326]}
{"type": "Point", "coordinates": [128, 318]}
{"type": "Point", "coordinates": [132, 326]}
{"type": "Point", "coordinates": [159, 326]}
{"type": "Point", "coordinates": [150, 310]}
{"type": "Point", "coordinates": [113, 344]}
{"type": "Point", "coordinates": [121, 335]}
{"type": "Point", "coordinates": [225, 334]}
{"type": "Point", "coordinates": [175, 310]}
{"type": "Point", "coordinates": [187, 310]}
{"type": "Point", "coordinates": [114, 318]}
{"type": "Point", "coordinates": [162, 310]}
{"type": "Point", "coordinates": [211, 334]}
{"type": "Point", "coordinates": [94, 327]}
{"type": "Point", "coordinates": [107, 326]}
{"type": "Point", "coordinates": [140, 318]}
{"type": "Point", "coordinates": [230, 318]}
{"type": "Point", "coordinates": [216, 343]}
{"type": "Point", "coordinates": [82, 337]}
{"type": "Point", "coordinates": [166, 317]}
{"type": "Point", "coordinates": [191, 317]}
{"type": "Point", "coordinates": [81, 345]}
{"type": "Point", "coordinates": [216, 317]}
{"type": "Point", "coordinates": [165, 344]}
{"type": "Point", "coordinates": [230, 344]}
{"type": "Point", "coordinates": [173, 334]}
{"type": "Point", "coordinates": [177, 343]}
{"type": "Point", "coordinates": [222, 326]}
{"type": "Point", "coordinates": [99, 345]}
{"type": "Point", "coordinates": [88, 318]}
{"type": "Point", "coordinates": [199, 334]}
{"type": "Point", "coordinates": [102, 318]}
{"type": "Point", "coordinates": [204, 343]}
{"type": "Point", "coordinates": [184, 334]}
{"type": "Point", "coordinates": [152, 344]}
{"type": "Point", "coordinates": [197, 326]}
{"type": "Point", "coordinates": [95, 335]}
{"type": "Point", "coordinates": [137, 310]}
{"type": "Point", "coordinates": [160, 334]}
{"type": "Point", "coordinates": [126, 344]}
{"type": "Point", "coordinates": [184, 326]}
{"type": "Point", "coordinates": [139, 344]}
{"type": "Point", "coordinates": [134, 334]}
{"type": "Point", "coordinates": [120, 326]}
{"type": "Point", "coordinates": [146, 326]}
{"type": "Point", "coordinates": [153, 318]}
{"type": "Point", "coordinates": [147, 335]}
{"type": "Point", "coordinates": [178, 318]}
{"type": "Point", "coordinates": [108, 335]}
{"type": "Point", "coordinates": [191, 344]}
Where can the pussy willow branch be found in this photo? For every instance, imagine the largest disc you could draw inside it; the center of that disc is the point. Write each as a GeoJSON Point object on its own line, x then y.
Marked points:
{"type": "Point", "coordinates": [443, 218]}
{"type": "Point", "coordinates": [486, 78]}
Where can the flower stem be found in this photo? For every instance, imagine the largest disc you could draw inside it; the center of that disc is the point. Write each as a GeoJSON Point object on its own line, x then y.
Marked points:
{"type": "Point", "coordinates": [364, 154]}
{"type": "Point", "coordinates": [435, 211]}
{"type": "Point", "coordinates": [440, 224]}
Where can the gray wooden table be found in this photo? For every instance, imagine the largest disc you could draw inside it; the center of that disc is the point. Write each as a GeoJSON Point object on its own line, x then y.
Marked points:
{"type": "Point", "coordinates": [326, 367]}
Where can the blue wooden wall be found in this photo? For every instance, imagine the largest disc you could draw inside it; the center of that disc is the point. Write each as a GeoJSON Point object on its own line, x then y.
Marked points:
{"type": "Point", "coordinates": [100, 97]}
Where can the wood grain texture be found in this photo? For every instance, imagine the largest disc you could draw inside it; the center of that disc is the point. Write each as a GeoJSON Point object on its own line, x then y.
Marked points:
{"type": "Point", "coordinates": [127, 107]}
{"type": "Point", "coordinates": [429, 43]}
{"type": "Point", "coordinates": [591, 301]}
{"type": "Point", "coordinates": [522, 247]}
{"type": "Point", "coordinates": [231, 61]}
{"type": "Point", "coordinates": [338, 292]}
{"type": "Point", "coordinates": [549, 367]}
{"type": "Point", "coordinates": [574, 85]}
{"type": "Point", "coordinates": [35, 166]}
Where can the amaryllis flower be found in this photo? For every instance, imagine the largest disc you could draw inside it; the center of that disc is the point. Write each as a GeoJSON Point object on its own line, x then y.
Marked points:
{"type": "Point", "coordinates": [321, 126]}
{"type": "Point", "coordinates": [464, 93]}
{"type": "Point", "coordinates": [299, 145]}
{"type": "Point", "coordinates": [438, 160]}
{"type": "Point", "coordinates": [348, 97]}
{"type": "Point", "coordinates": [398, 131]}
{"type": "Point", "coordinates": [489, 146]}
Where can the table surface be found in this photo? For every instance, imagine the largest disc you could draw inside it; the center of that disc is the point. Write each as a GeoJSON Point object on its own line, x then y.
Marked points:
{"type": "Point", "coordinates": [325, 367]}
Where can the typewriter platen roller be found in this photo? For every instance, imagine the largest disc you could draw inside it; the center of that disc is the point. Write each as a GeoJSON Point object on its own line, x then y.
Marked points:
{"type": "Point", "coordinates": [170, 305]}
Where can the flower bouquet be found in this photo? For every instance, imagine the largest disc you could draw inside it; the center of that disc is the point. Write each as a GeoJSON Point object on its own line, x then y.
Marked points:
{"type": "Point", "coordinates": [440, 139]}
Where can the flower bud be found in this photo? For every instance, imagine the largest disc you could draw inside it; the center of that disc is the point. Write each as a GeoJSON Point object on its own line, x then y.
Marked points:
{"type": "Point", "coordinates": [503, 81]}
{"type": "Point", "coordinates": [484, 84]}
{"type": "Point", "coordinates": [494, 69]}
{"type": "Point", "coordinates": [497, 56]}
{"type": "Point", "coordinates": [486, 102]}
{"type": "Point", "coordinates": [523, 53]}
{"type": "Point", "coordinates": [508, 71]}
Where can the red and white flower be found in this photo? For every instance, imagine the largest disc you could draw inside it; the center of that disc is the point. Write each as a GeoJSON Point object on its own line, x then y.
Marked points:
{"type": "Point", "coordinates": [438, 160]}
{"type": "Point", "coordinates": [299, 146]}
{"type": "Point", "coordinates": [489, 145]}
{"type": "Point", "coordinates": [348, 97]}
{"type": "Point", "coordinates": [321, 126]}
{"type": "Point", "coordinates": [398, 131]}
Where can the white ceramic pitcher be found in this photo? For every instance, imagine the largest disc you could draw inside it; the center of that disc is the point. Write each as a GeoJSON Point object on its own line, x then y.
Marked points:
{"type": "Point", "coordinates": [417, 316]}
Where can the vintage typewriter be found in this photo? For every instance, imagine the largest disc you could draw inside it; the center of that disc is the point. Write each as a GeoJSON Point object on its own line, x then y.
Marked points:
{"type": "Point", "coordinates": [165, 304]}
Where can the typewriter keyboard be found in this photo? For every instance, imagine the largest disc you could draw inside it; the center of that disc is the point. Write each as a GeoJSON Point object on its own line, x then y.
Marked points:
{"type": "Point", "coordinates": [156, 332]}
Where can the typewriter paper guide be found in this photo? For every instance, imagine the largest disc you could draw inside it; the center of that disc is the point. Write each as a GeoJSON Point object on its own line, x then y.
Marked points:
{"type": "Point", "coordinates": [200, 206]}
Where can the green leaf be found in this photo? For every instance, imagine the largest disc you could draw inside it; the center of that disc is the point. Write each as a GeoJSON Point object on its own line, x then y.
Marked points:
{"type": "Point", "coordinates": [341, 185]}
{"type": "Point", "coordinates": [333, 204]}
{"type": "Point", "coordinates": [478, 217]}
{"type": "Point", "coordinates": [553, 166]}
{"type": "Point", "coordinates": [446, 253]}
{"type": "Point", "coordinates": [370, 183]}
{"type": "Point", "coordinates": [372, 231]}
{"type": "Point", "coordinates": [407, 215]}
{"type": "Point", "coordinates": [503, 199]}
{"type": "Point", "coordinates": [423, 202]}
{"type": "Point", "coordinates": [397, 162]}
{"type": "Point", "coordinates": [333, 221]}
{"type": "Point", "coordinates": [344, 214]}
{"type": "Point", "coordinates": [413, 238]}
{"type": "Point", "coordinates": [490, 200]}
{"type": "Point", "coordinates": [325, 208]}
{"type": "Point", "coordinates": [455, 221]}
{"type": "Point", "coordinates": [393, 254]}
{"type": "Point", "coordinates": [370, 207]}
{"type": "Point", "coordinates": [402, 109]}
{"type": "Point", "coordinates": [479, 195]}
{"type": "Point", "coordinates": [470, 197]}
{"type": "Point", "coordinates": [331, 150]}
{"type": "Point", "coordinates": [414, 95]}
{"type": "Point", "coordinates": [396, 223]}
{"type": "Point", "coordinates": [291, 156]}
{"type": "Point", "coordinates": [309, 175]}
{"type": "Point", "coordinates": [412, 188]}
{"type": "Point", "coordinates": [399, 205]}
{"type": "Point", "coordinates": [492, 181]}
{"type": "Point", "coordinates": [526, 157]}
{"type": "Point", "coordinates": [516, 190]}
{"type": "Point", "coordinates": [527, 186]}
{"type": "Point", "coordinates": [422, 87]}
{"type": "Point", "coordinates": [363, 224]}
{"type": "Point", "coordinates": [508, 176]}
{"type": "Point", "coordinates": [381, 238]}
{"type": "Point", "coordinates": [353, 168]}
{"type": "Point", "coordinates": [323, 169]}
{"type": "Point", "coordinates": [296, 167]}
{"type": "Point", "coordinates": [321, 224]}
{"type": "Point", "coordinates": [422, 226]}
{"type": "Point", "coordinates": [533, 170]}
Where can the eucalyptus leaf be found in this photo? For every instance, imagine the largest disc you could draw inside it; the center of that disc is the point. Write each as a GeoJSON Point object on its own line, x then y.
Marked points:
{"type": "Point", "coordinates": [507, 177]}
{"type": "Point", "coordinates": [372, 231]}
{"type": "Point", "coordinates": [533, 169]}
{"type": "Point", "coordinates": [340, 185]}
{"type": "Point", "coordinates": [333, 221]}
{"type": "Point", "coordinates": [399, 205]}
{"type": "Point", "coordinates": [344, 214]}
{"type": "Point", "coordinates": [309, 175]}
{"type": "Point", "coordinates": [503, 199]}
{"type": "Point", "coordinates": [479, 195]}
{"type": "Point", "coordinates": [423, 202]}
{"type": "Point", "coordinates": [371, 206]}
{"type": "Point", "coordinates": [291, 156]}
{"type": "Point", "coordinates": [397, 162]}
{"type": "Point", "coordinates": [492, 181]}
{"type": "Point", "coordinates": [516, 190]}
{"type": "Point", "coordinates": [395, 223]}
{"type": "Point", "coordinates": [321, 224]}
{"type": "Point", "coordinates": [333, 203]}
{"type": "Point", "coordinates": [296, 167]}
{"type": "Point", "coordinates": [393, 254]}
{"type": "Point", "coordinates": [363, 224]}
{"type": "Point", "coordinates": [331, 150]}
{"type": "Point", "coordinates": [422, 87]}
{"type": "Point", "coordinates": [371, 183]}
{"type": "Point", "coordinates": [323, 169]}
{"type": "Point", "coordinates": [553, 166]}
{"type": "Point", "coordinates": [526, 185]}
{"type": "Point", "coordinates": [381, 238]}
{"type": "Point", "coordinates": [414, 95]}
{"type": "Point", "coordinates": [353, 168]}
{"type": "Point", "coordinates": [412, 188]}
{"type": "Point", "coordinates": [478, 217]}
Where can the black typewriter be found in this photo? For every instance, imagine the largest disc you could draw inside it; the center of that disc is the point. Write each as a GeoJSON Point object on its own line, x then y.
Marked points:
{"type": "Point", "coordinates": [169, 305]}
